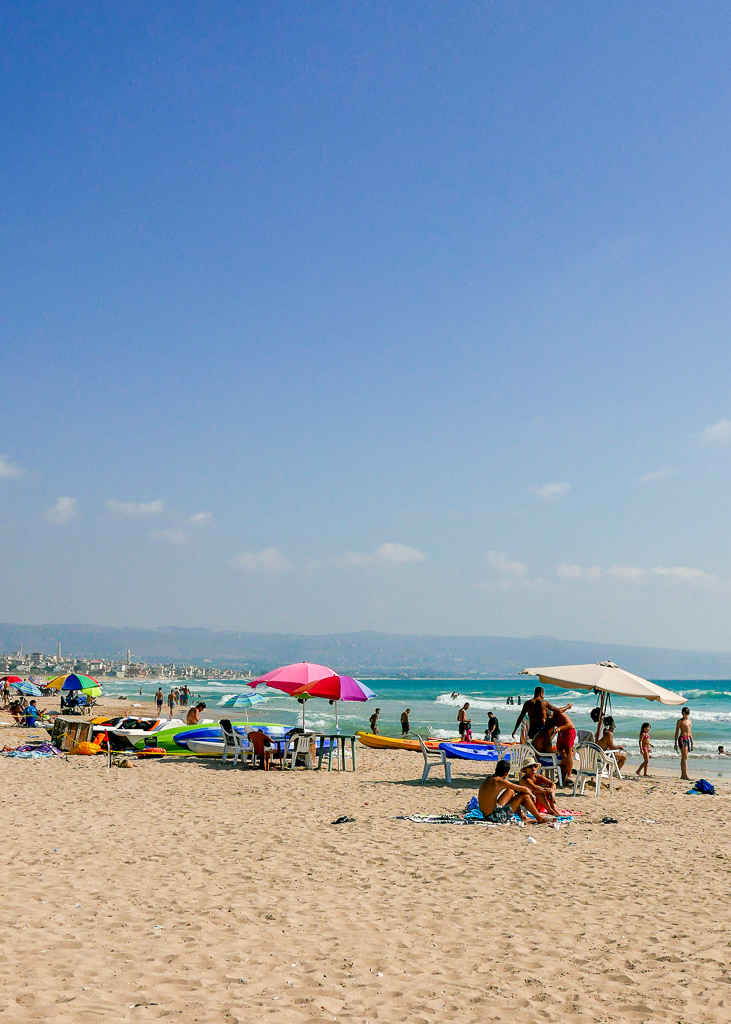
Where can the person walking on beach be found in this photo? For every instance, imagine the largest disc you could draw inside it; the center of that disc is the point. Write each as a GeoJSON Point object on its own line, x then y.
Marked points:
{"type": "Point", "coordinates": [171, 702]}
{"type": "Point", "coordinates": [492, 732]}
{"type": "Point", "coordinates": [684, 741]}
{"type": "Point", "coordinates": [465, 723]}
{"type": "Point", "coordinates": [374, 721]}
{"type": "Point", "coordinates": [159, 699]}
{"type": "Point", "coordinates": [645, 748]}
{"type": "Point", "coordinates": [536, 708]}
{"type": "Point", "coordinates": [405, 727]}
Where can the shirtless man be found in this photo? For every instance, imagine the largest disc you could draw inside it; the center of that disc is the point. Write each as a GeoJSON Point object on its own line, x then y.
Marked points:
{"type": "Point", "coordinates": [194, 715]}
{"type": "Point", "coordinates": [536, 709]}
{"type": "Point", "coordinates": [684, 741]}
{"type": "Point", "coordinates": [465, 723]}
{"type": "Point", "coordinates": [499, 799]}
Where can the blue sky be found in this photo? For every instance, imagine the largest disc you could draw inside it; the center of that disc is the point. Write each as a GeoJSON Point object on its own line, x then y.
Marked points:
{"type": "Point", "coordinates": [322, 317]}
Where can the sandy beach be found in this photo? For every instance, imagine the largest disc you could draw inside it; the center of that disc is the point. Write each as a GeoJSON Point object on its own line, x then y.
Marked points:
{"type": "Point", "coordinates": [187, 890]}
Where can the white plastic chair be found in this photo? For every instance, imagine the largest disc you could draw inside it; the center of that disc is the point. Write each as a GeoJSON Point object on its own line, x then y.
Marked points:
{"type": "Point", "coordinates": [299, 747]}
{"type": "Point", "coordinates": [550, 763]}
{"type": "Point", "coordinates": [593, 764]}
{"type": "Point", "coordinates": [519, 754]}
{"type": "Point", "coordinates": [435, 759]}
{"type": "Point", "coordinates": [234, 744]}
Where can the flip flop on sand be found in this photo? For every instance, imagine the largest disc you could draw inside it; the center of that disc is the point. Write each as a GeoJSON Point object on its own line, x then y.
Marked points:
{"type": "Point", "coordinates": [341, 820]}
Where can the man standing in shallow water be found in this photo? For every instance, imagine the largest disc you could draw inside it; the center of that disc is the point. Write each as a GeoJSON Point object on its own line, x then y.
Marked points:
{"type": "Point", "coordinates": [684, 741]}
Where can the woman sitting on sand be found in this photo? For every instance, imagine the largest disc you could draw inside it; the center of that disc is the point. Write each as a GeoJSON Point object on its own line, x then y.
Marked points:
{"type": "Point", "coordinates": [542, 788]}
{"type": "Point", "coordinates": [607, 741]}
{"type": "Point", "coordinates": [499, 798]}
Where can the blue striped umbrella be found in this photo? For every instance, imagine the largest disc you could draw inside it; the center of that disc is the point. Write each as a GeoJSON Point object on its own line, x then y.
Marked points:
{"type": "Point", "coordinates": [27, 688]}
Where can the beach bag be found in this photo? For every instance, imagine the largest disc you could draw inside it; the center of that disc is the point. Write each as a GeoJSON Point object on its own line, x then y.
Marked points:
{"type": "Point", "coordinates": [702, 786]}
{"type": "Point", "coordinates": [86, 748]}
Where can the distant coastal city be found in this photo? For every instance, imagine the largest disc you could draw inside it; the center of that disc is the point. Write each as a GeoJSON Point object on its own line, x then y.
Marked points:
{"type": "Point", "coordinates": [38, 663]}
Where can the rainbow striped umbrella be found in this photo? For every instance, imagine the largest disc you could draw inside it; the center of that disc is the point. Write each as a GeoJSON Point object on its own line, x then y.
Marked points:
{"type": "Point", "coordinates": [72, 681]}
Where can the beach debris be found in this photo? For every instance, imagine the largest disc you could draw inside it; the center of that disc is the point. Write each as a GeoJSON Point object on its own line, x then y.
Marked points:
{"type": "Point", "coordinates": [342, 820]}
{"type": "Point", "coordinates": [609, 821]}
{"type": "Point", "coordinates": [530, 839]}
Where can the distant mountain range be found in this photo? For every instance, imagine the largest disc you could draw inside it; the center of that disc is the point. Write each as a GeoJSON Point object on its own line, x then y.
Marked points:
{"type": "Point", "coordinates": [366, 654]}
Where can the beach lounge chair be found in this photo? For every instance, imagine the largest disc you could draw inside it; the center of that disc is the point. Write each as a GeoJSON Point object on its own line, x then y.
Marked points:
{"type": "Point", "coordinates": [434, 759]}
{"type": "Point", "coordinates": [550, 763]}
{"type": "Point", "coordinates": [593, 764]}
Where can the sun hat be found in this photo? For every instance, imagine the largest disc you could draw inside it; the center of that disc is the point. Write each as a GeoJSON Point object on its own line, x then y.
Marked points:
{"type": "Point", "coordinates": [530, 763]}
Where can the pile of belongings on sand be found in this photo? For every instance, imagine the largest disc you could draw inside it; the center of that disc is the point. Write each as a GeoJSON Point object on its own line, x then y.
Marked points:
{"type": "Point", "coordinates": [32, 750]}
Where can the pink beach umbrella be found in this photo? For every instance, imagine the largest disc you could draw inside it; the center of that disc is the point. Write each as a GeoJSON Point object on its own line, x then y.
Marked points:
{"type": "Point", "coordinates": [298, 676]}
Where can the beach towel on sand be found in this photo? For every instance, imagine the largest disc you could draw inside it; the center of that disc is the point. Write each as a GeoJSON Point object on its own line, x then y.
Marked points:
{"type": "Point", "coordinates": [472, 816]}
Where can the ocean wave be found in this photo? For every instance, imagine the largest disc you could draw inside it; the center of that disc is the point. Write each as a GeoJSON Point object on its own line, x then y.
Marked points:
{"type": "Point", "coordinates": [480, 703]}
{"type": "Point", "coordinates": [701, 694]}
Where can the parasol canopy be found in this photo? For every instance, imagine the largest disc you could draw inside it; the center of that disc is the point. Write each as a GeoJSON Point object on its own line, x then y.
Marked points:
{"type": "Point", "coordinates": [10, 679]}
{"type": "Point", "coordinates": [606, 677]}
{"type": "Point", "coordinates": [27, 688]}
{"type": "Point", "coordinates": [292, 677]}
{"type": "Point", "coordinates": [241, 700]}
{"type": "Point", "coordinates": [72, 681]}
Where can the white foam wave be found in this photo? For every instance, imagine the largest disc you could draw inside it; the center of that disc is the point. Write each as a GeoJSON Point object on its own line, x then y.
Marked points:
{"type": "Point", "coordinates": [479, 703]}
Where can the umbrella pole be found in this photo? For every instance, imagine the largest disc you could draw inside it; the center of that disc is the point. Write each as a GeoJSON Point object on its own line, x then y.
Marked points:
{"type": "Point", "coordinates": [601, 716]}
{"type": "Point", "coordinates": [303, 715]}
{"type": "Point", "coordinates": [337, 726]}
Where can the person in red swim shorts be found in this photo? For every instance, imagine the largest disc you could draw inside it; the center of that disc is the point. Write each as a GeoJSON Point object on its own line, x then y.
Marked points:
{"type": "Point", "coordinates": [565, 741]}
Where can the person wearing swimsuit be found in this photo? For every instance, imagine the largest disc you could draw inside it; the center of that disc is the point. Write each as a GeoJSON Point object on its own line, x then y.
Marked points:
{"type": "Point", "coordinates": [645, 748]}
{"type": "Point", "coordinates": [684, 741]}
{"type": "Point", "coordinates": [499, 798]}
{"type": "Point", "coordinates": [536, 709]}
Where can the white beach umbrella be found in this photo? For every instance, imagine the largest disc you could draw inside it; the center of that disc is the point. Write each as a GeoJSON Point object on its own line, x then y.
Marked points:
{"type": "Point", "coordinates": [604, 678]}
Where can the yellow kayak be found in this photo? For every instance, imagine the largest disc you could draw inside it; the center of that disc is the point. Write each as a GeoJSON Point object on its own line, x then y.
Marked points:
{"type": "Point", "coordinates": [370, 739]}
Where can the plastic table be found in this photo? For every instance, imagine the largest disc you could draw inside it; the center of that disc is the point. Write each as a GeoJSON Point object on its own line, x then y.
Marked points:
{"type": "Point", "coordinates": [338, 741]}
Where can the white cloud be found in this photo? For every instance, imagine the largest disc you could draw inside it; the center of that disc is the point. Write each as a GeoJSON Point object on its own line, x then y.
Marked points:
{"type": "Point", "coordinates": [501, 564]}
{"type": "Point", "coordinates": [392, 554]}
{"type": "Point", "coordinates": [133, 508]}
{"type": "Point", "coordinates": [201, 519]}
{"type": "Point", "coordinates": [62, 512]}
{"type": "Point", "coordinates": [625, 572]}
{"type": "Point", "coordinates": [399, 554]}
{"type": "Point", "coordinates": [720, 431]}
{"type": "Point", "coordinates": [575, 572]}
{"type": "Point", "coordinates": [658, 474]}
{"type": "Point", "coordinates": [267, 560]}
{"type": "Point", "coordinates": [171, 536]}
{"type": "Point", "coordinates": [684, 574]}
{"type": "Point", "coordinates": [551, 491]}
{"type": "Point", "coordinates": [354, 560]}
{"type": "Point", "coordinates": [8, 469]}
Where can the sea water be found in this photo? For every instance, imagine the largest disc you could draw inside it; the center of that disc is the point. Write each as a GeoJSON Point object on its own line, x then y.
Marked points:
{"type": "Point", "coordinates": [434, 704]}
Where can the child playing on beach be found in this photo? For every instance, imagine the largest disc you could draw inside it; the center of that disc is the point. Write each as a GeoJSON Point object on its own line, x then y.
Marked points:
{"type": "Point", "coordinates": [645, 748]}
{"type": "Point", "coordinates": [499, 799]}
{"type": "Point", "coordinates": [684, 741]}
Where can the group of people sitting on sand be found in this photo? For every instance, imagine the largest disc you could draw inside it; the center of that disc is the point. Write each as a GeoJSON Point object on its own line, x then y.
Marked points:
{"type": "Point", "coordinates": [535, 794]}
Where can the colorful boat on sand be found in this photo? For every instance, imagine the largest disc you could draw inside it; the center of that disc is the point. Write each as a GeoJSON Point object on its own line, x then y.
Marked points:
{"type": "Point", "coordinates": [174, 739]}
{"type": "Point", "coordinates": [472, 751]}
{"type": "Point", "coordinates": [379, 742]}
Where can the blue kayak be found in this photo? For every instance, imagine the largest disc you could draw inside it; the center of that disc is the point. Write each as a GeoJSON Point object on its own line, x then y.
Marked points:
{"type": "Point", "coordinates": [471, 751]}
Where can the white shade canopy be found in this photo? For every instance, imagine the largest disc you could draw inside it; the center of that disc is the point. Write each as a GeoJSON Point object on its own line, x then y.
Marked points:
{"type": "Point", "coordinates": [605, 677]}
